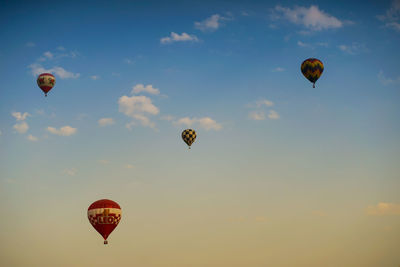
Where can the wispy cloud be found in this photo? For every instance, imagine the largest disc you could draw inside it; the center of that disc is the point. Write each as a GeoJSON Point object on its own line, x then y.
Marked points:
{"type": "Point", "coordinates": [278, 69]}
{"type": "Point", "coordinates": [383, 208]}
{"type": "Point", "coordinates": [264, 102]}
{"type": "Point", "coordinates": [48, 55]}
{"type": "Point", "coordinates": [20, 116]}
{"type": "Point", "coordinates": [95, 77]}
{"type": "Point", "coordinates": [353, 49]}
{"type": "Point", "coordinates": [206, 123]}
{"type": "Point", "coordinates": [104, 161]}
{"type": "Point", "coordinates": [387, 81]}
{"type": "Point", "coordinates": [30, 44]}
{"type": "Point", "coordinates": [129, 166]}
{"type": "Point", "coordinates": [212, 23]}
{"type": "Point", "coordinates": [70, 172]}
{"type": "Point", "coordinates": [63, 131]}
{"type": "Point", "coordinates": [138, 88]}
{"type": "Point", "coordinates": [175, 37]}
{"type": "Point", "coordinates": [168, 118]}
{"type": "Point", "coordinates": [312, 46]}
{"type": "Point", "coordinates": [257, 115]}
{"type": "Point", "coordinates": [21, 127]}
{"type": "Point", "coordinates": [106, 122]}
{"type": "Point", "coordinates": [311, 18]}
{"type": "Point", "coordinates": [37, 69]}
{"type": "Point", "coordinates": [32, 138]}
{"type": "Point", "coordinates": [128, 61]}
{"type": "Point", "coordinates": [392, 16]}
{"type": "Point", "coordinates": [273, 115]}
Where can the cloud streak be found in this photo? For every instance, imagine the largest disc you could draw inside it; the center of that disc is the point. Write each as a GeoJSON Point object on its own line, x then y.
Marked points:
{"type": "Point", "coordinates": [206, 123]}
{"type": "Point", "coordinates": [37, 69]}
{"type": "Point", "coordinates": [63, 131]}
{"type": "Point", "coordinates": [211, 24]}
{"type": "Point", "coordinates": [175, 37]}
{"type": "Point", "coordinates": [311, 18]}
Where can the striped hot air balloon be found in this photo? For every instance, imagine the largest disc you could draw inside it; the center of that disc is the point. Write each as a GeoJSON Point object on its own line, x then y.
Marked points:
{"type": "Point", "coordinates": [104, 215]}
{"type": "Point", "coordinates": [312, 69]}
{"type": "Point", "coordinates": [46, 82]}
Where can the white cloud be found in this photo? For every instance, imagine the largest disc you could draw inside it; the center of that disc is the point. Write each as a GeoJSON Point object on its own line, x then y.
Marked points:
{"type": "Point", "coordinates": [312, 18]}
{"type": "Point", "coordinates": [273, 115]}
{"type": "Point", "coordinates": [138, 88]}
{"type": "Point", "coordinates": [104, 161]}
{"type": "Point", "coordinates": [128, 61]}
{"type": "Point", "coordinates": [392, 16]}
{"type": "Point", "coordinates": [32, 138]}
{"type": "Point", "coordinates": [278, 69]}
{"type": "Point", "coordinates": [136, 107]}
{"type": "Point", "coordinates": [383, 208]}
{"type": "Point", "coordinates": [353, 49]}
{"type": "Point", "coordinates": [30, 44]}
{"type": "Point", "coordinates": [59, 71]}
{"type": "Point", "coordinates": [94, 77]}
{"type": "Point", "coordinates": [257, 115]}
{"type": "Point", "coordinates": [168, 118]}
{"type": "Point", "coordinates": [136, 104]}
{"type": "Point", "coordinates": [61, 48]}
{"type": "Point", "coordinates": [175, 37]}
{"type": "Point", "coordinates": [206, 123]}
{"type": "Point", "coordinates": [393, 25]}
{"type": "Point", "coordinates": [387, 81]}
{"type": "Point", "coordinates": [211, 24]}
{"type": "Point", "coordinates": [106, 122]}
{"type": "Point", "coordinates": [21, 127]}
{"type": "Point", "coordinates": [300, 43]}
{"type": "Point", "coordinates": [70, 172]}
{"type": "Point", "coordinates": [63, 131]}
{"type": "Point", "coordinates": [48, 55]}
{"type": "Point", "coordinates": [20, 116]}
{"type": "Point", "coordinates": [129, 166]}
{"type": "Point", "coordinates": [264, 102]}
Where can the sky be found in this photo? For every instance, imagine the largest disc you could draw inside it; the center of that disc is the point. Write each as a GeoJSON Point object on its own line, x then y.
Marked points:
{"type": "Point", "coordinates": [281, 174]}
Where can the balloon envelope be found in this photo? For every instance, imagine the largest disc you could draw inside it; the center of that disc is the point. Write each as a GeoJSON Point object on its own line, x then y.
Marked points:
{"type": "Point", "coordinates": [104, 215]}
{"type": "Point", "coordinates": [189, 136]}
{"type": "Point", "coordinates": [312, 69]}
{"type": "Point", "coordinates": [46, 82]}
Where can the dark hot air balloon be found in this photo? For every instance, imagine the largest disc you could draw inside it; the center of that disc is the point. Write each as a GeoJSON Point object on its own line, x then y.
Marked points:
{"type": "Point", "coordinates": [312, 69]}
{"type": "Point", "coordinates": [104, 215]}
{"type": "Point", "coordinates": [189, 136]}
{"type": "Point", "coordinates": [46, 82]}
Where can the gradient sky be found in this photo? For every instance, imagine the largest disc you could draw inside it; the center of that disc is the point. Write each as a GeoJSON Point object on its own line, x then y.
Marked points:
{"type": "Point", "coordinates": [281, 174]}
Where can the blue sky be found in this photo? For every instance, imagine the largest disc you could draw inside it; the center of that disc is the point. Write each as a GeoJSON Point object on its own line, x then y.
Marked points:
{"type": "Point", "coordinates": [131, 76]}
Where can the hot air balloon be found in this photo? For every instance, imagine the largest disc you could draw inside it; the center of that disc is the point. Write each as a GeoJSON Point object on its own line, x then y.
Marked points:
{"type": "Point", "coordinates": [104, 215]}
{"type": "Point", "coordinates": [312, 69]}
{"type": "Point", "coordinates": [189, 136]}
{"type": "Point", "coordinates": [46, 82]}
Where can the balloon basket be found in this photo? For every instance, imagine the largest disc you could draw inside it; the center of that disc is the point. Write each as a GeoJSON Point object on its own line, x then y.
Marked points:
{"type": "Point", "coordinates": [105, 242]}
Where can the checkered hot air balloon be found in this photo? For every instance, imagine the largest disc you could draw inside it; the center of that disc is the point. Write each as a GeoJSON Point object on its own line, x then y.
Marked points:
{"type": "Point", "coordinates": [46, 82]}
{"type": "Point", "coordinates": [312, 69]}
{"type": "Point", "coordinates": [104, 215]}
{"type": "Point", "coordinates": [189, 136]}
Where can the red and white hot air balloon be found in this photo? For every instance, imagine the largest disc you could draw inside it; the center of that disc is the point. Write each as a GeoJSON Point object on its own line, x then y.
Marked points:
{"type": "Point", "coordinates": [46, 82]}
{"type": "Point", "coordinates": [104, 215]}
